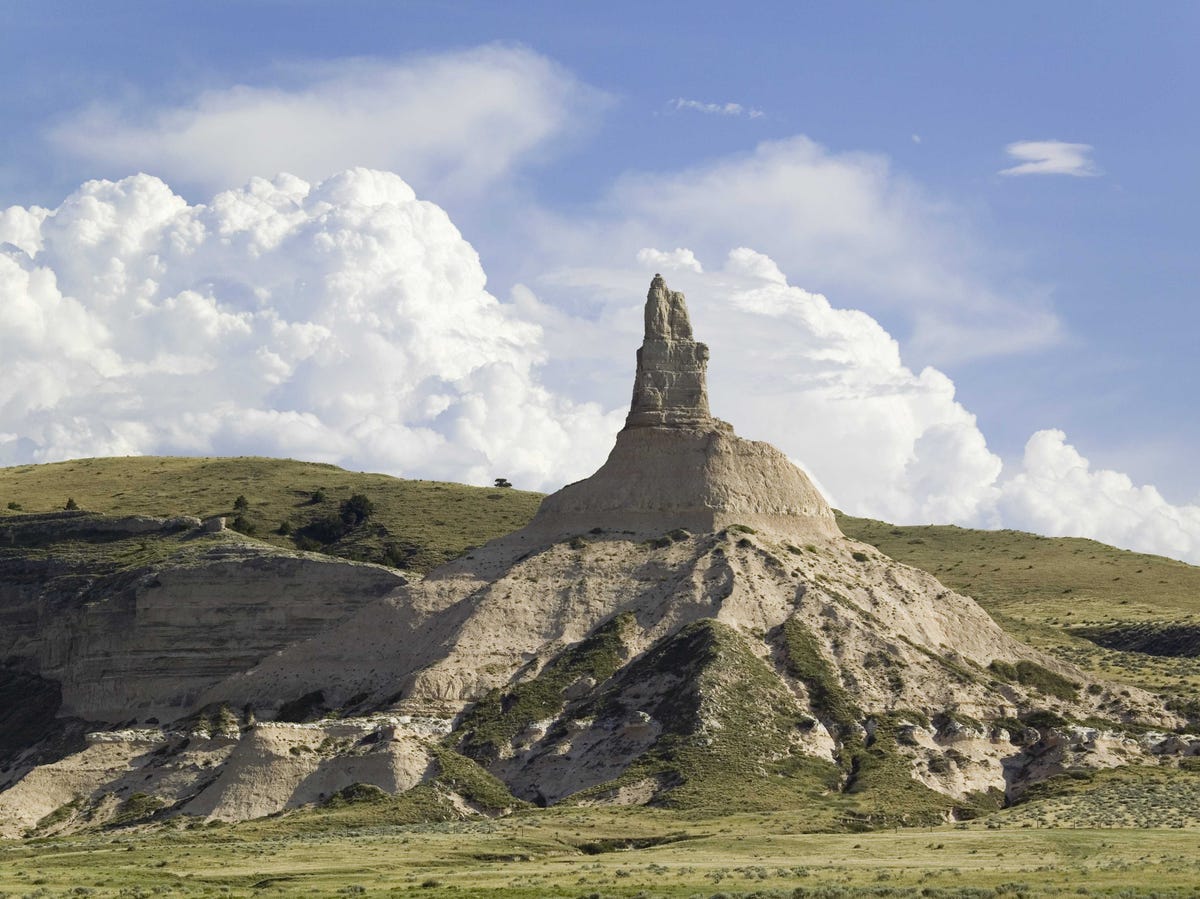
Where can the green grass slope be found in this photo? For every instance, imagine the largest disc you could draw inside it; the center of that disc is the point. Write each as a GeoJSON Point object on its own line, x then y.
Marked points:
{"type": "Point", "coordinates": [415, 525]}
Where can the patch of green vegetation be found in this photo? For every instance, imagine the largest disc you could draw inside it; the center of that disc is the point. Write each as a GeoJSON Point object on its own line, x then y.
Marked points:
{"type": "Point", "coordinates": [1031, 674]}
{"type": "Point", "coordinates": [740, 529]}
{"type": "Point", "coordinates": [416, 525]}
{"type": "Point", "coordinates": [805, 662]}
{"type": "Point", "coordinates": [475, 784]}
{"type": "Point", "coordinates": [136, 808]}
{"type": "Point", "coordinates": [660, 853]}
{"type": "Point", "coordinates": [881, 783]}
{"type": "Point", "coordinates": [64, 812]}
{"type": "Point", "coordinates": [503, 714]}
{"type": "Point", "coordinates": [1132, 796]}
{"type": "Point", "coordinates": [1043, 719]}
{"type": "Point", "coordinates": [359, 793]}
{"type": "Point", "coordinates": [726, 721]}
{"type": "Point", "coordinates": [215, 718]}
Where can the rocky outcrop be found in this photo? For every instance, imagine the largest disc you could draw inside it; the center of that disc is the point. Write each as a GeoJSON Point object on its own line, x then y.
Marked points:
{"type": "Point", "coordinates": [674, 465]}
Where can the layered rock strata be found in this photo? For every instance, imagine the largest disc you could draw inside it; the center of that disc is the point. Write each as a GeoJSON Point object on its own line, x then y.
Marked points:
{"type": "Point", "coordinates": [669, 387]}
{"type": "Point", "coordinates": [126, 642]}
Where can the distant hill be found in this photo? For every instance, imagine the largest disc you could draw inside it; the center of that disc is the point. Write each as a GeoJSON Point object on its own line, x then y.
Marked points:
{"type": "Point", "coordinates": [415, 525]}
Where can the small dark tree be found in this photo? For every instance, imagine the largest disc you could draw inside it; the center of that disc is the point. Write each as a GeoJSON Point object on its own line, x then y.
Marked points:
{"type": "Point", "coordinates": [324, 530]}
{"type": "Point", "coordinates": [243, 525]}
{"type": "Point", "coordinates": [318, 497]}
{"type": "Point", "coordinates": [503, 482]}
{"type": "Point", "coordinates": [356, 509]}
{"type": "Point", "coordinates": [71, 504]}
{"type": "Point", "coordinates": [241, 504]}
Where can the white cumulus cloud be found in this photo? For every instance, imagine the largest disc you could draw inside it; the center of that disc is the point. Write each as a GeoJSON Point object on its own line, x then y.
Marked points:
{"type": "Point", "coordinates": [457, 122]}
{"type": "Point", "coordinates": [829, 386]}
{"type": "Point", "coordinates": [673, 260]}
{"type": "Point", "coordinates": [1057, 492]}
{"type": "Point", "coordinates": [345, 321]}
{"type": "Point", "coordinates": [1051, 157]}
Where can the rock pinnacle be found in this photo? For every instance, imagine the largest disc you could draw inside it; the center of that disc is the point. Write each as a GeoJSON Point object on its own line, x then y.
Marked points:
{"type": "Point", "coordinates": [669, 388]}
{"type": "Point", "coordinates": [674, 465]}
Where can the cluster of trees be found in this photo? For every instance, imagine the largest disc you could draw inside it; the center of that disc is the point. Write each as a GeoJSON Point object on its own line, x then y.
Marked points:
{"type": "Point", "coordinates": [326, 529]}
{"type": "Point", "coordinates": [321, 531]}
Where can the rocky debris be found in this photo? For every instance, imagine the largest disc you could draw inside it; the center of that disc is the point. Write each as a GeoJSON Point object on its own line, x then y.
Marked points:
{"type": "Point", "coordinates": [257, 770]}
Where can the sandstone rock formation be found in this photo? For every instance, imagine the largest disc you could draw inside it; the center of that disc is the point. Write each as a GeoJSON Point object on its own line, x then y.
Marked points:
{"type": "Point", "coordinates": [131, 641]}
{"type": "Point", "coordinates": [669, 387]}
{"type": "Point", "coordinates": [688, 613]}
{"type": "Point", "coordinates": [674, 465]}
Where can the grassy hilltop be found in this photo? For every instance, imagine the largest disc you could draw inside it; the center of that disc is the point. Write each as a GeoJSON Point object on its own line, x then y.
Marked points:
{"type": "Point", "coordinates": [416, 525]}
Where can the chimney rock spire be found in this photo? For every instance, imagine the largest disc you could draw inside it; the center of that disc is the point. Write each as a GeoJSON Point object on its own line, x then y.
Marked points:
{"type": "Point", "coordinates": [669, 389]}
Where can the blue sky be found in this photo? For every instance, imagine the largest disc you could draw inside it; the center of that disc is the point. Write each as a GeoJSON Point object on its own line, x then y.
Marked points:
{"type": "Point", "coordinates": [1066, 300]}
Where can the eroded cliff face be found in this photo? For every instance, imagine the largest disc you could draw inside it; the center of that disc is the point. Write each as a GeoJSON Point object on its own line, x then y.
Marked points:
{"type": "Point", "coordinates": [133, 619]}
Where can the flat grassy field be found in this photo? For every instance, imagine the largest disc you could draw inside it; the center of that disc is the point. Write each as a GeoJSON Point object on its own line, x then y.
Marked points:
{"type": "Point", "coordinates": [609, 852]}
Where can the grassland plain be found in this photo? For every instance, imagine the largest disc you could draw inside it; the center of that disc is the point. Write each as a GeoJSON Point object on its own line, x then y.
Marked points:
{"type": "Point", "coordinates": [607, 852]}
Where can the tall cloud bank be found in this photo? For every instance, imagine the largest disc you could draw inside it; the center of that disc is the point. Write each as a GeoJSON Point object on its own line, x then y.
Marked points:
{"type": "Point", "coordinates": [349, 322]}
{"type": "Point", "coordinates": [346, 322]}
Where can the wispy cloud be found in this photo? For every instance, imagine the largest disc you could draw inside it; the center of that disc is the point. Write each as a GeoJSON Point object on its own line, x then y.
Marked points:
{"type": "Point", "coordinates": [1051, 157]}
{"type": "Point", "coordinates": [436, 118]}
{"type": "Point", "coordinates": [725, 109]}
